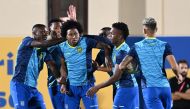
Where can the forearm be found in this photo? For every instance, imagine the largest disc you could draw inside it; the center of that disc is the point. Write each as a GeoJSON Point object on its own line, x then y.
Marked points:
{"type": "Point", "coordinates": [173, 64]}
{"type": "Point", "coordinates": [54, 71]}
{"type": "Point", "coordinates": [104, 69]}
{"type": "Point", "coordinates": [63, 71]}
{"type": "Point", "coordinates": [175, 97]}
{"type": "Point", "coordinates": [46, 43]}
{"type": "Point", "coordinates": [112, 79]}
{"type": "Point", "coordinates": [125, 62]}
{"type": "Point", "coordinates": [185, 96]}
{"type": "Point", "coordinates": [109, 82]}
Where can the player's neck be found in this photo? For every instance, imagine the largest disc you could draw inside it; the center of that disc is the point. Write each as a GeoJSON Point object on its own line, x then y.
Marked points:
{"type": "Point", "coordinates": [119, 44]}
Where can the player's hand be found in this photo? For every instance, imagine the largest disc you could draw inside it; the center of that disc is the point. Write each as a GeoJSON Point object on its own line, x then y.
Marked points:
{"type": "Point", "coordinates": [71, 13]}
{"type": "Point", "coordinates": [95, 65]}
{"type": "Point", "coordinates": [63, 89]}
{"type": "Point", "coordinates": [92, 91]}
{"type": "Point", "coordinates": [64, 19]}
{"type": "Point", "coordinates": [176, 96]}
{"type": "Point", "coordinates": [180, 78]}
{"type": "Point", "coordinates": [61, 80]}
{"type": "Point", "coordinates": [108, 62]}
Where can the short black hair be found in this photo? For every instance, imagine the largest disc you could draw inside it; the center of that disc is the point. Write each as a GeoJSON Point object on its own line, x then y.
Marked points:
{"type": "Point", "coordinates": [53, 21]}
{"type": "Point", "coordinates": [150, 23]}
{"type": "Point", "coordinates": [123, 28]}
{"type": "Point", "coordinates": [38, 26]}
{"type": "Point", "coordinates": [104, 31]}
{"type": "Point", "coordinates": [70, 24]}
{"type": "Point", "coordinates": [183, 61]}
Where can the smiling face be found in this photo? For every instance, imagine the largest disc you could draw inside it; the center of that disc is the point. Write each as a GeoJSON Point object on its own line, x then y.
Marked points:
{"type": "Point", "coordinates": [40, 33]}
{"type": "Point", "coordinates": [73, 36]}
{"type": "Point", "coordinates": [56, 26]}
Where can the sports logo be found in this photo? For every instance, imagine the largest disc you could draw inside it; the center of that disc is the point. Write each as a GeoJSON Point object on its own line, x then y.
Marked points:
{"type": "Point", "coordinates": [79, 49]}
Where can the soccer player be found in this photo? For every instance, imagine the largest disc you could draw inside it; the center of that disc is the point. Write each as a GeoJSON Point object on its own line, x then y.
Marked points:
{"type": "Point", "coordinates": [30, 58]}
{"type": "Point", "coordinates": [151, 54]}
{"type": "Point", "coordinates": [99, 61]}
{"type": "Point", "coordinates": [127, 91]}
{"type": "Point", "coordinates": [77, 54]}
{"type": "Point", "coordinates": [57, 98]}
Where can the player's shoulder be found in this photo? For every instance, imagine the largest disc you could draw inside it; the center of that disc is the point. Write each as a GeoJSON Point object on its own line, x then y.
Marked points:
{"type": "Point", "coordinates": [27, 38]}
{"type": "Point", "coordinates": [140, 43]}
{"type": "Point", "coordinates": [62, 44]}
{"type": "Point", "coordinates": [162, 42]}
{"type": "Point", "coordinates": [121, 54]}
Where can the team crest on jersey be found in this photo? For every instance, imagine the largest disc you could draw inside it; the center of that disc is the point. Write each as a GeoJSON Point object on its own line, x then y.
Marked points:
{"type": "Point", "coordinates": [79, 49]}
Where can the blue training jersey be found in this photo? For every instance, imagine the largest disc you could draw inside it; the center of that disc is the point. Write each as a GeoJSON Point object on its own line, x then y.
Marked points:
{"type": "Point", "coordinates": [29, 63]}
{"type": "Point", "coordinates": [115, 52]}
{"type": "Point", "coordinates": [78, 60]}
{"type": "Point", "coordinates": [53, 50]}
{"type": "Point", "coordinates": [151, 54]}
{"type": "Point", "coordinates": [127, 79]}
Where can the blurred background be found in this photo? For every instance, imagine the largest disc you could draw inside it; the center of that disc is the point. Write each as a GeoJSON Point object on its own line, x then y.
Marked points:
{"type": "Point", "coordinates": [18, 16]}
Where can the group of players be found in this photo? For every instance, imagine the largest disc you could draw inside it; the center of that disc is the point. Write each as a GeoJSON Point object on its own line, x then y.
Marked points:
{"type": "Point", "coordinates": [68, 55]}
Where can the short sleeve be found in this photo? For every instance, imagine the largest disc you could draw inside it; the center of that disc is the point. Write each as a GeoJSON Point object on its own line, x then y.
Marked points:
{"type": "Point", "coordinates": [132, 52]}
{"type": "Point", "coordinates": [26, 42]}
{"type": "Point", "coordinates": [121, 55]}
{"type": "Point", "coordinates": [59, 51]}
{"type": "Point", "coordinates": [168, 50]}
{"type": "Point", "coordinates": [48, 57]}
{"type": "Point", "coordinates": [100, 58]}
{"type": "Point", "coordinates": [100, 39]}
{"type": "Point", "coordinates": [91, 43]}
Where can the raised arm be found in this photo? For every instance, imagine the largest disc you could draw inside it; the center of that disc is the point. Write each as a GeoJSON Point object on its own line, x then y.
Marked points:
{"type": "Point", "coordinates": [71, 14]}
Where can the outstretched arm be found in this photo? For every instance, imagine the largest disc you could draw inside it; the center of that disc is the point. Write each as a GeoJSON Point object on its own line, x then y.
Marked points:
{"type": "Point", "coordinates": [112, 79]}
{"type": "Point", "coordinates": [46, 43]}
{"type": "Point", "coordinates": [55, 39]}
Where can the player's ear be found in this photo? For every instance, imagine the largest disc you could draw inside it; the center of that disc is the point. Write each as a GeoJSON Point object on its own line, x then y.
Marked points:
{"type": "Point", "coordinates": [156, 29]}
{"type": "Point", "coordinates": [144, 31]}
{"type": "Point", "coordinates": [33, 32]}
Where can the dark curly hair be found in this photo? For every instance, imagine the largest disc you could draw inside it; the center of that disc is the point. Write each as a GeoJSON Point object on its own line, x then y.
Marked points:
{"type": "Point", "coordinates": [70, 25]}
{"type": "Point", "coordinates": [123, 28]}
